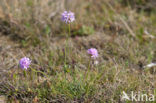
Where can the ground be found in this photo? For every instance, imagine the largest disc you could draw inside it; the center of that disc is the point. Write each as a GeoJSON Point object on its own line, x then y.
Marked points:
{"type": "Point", "coordinates": [123, 34]}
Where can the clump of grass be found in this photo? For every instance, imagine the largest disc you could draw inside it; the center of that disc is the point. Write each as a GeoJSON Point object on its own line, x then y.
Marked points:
{"type": "Point", "coordinates": [83, 31]}
{"type": "Point", "coordinates": [140, 5]}
{"type": "Point", "coordinates": [51, 79]}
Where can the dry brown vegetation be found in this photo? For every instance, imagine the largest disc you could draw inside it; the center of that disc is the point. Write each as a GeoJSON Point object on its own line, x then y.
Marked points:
{"type": "Point", "coordinates": [125, 37]}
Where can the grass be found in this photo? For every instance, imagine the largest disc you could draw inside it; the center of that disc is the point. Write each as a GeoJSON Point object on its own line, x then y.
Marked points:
{"type": "Point", "coordinates": [124, 38]}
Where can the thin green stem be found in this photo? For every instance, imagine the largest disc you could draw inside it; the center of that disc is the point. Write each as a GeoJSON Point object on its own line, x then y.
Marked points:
{"type": "Point", "coordinates": [89, 67]}
{"type": "Point", "coordinates": [66, 49]}
{"type": "Point", "coordinates": [25, 73]}
{"type": "Point", "coordinates": [69, 31]}
{"type": "Point", "coordinates": [67, 44]}
{"type": "Point", "coordinates": [65, 53]}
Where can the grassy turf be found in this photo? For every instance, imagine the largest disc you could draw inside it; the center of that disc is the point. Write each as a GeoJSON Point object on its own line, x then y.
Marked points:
{"type": "Point", "coordinates": [123, 36]}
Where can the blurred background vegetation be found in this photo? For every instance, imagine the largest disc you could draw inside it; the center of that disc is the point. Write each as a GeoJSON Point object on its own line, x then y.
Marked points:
{"type": "Point", "coordinates": [33, 20]}
{"type": "Point", "coordinates": [123, 31]}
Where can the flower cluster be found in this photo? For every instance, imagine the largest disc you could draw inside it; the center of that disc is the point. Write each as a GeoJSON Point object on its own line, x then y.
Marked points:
{"type": "Point", "coordinates": [68, 17]}
{"type": "Point", "coordinates": [24, 63]}
{"type": "Point", "coordinates": [93, 52]}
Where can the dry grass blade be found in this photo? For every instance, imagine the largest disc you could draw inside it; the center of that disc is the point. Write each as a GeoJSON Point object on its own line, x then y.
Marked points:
{"type": "Point", "coordinates": [122, 20]}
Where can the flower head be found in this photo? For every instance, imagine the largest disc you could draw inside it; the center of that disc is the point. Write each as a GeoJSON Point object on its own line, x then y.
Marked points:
{"type": "Point", "coordinates": [24, 63]}
{"type": "Point", "coordinates": [68, 17]}
{"type": "Point", "coordinates": [93, 52]}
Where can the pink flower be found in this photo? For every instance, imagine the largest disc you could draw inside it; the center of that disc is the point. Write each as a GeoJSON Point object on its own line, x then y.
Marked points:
{"type": "Point", "coordinates": [24, 63]}
{"type": "Point", "coordinates": [93, 52]}
{"type": "Point", "coordinates": [68, 17]}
